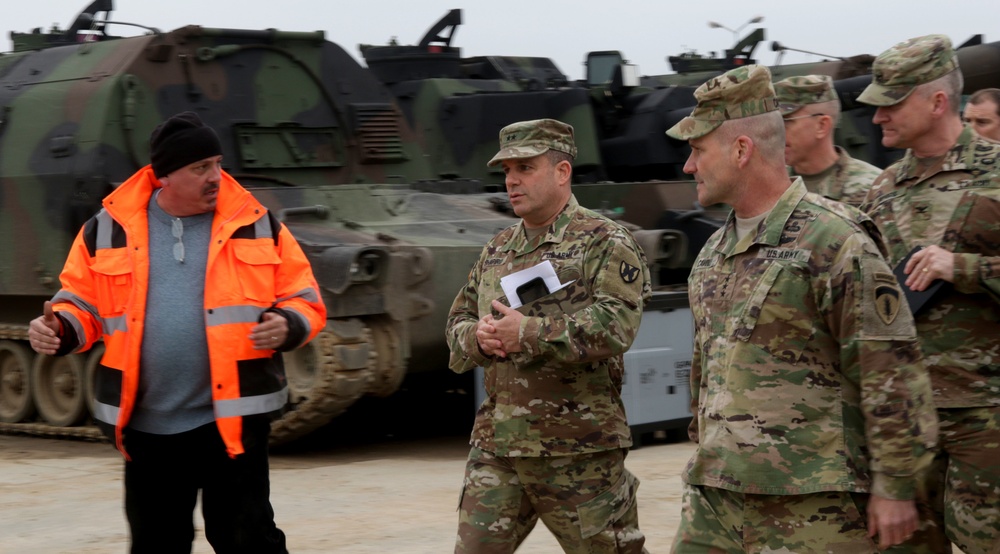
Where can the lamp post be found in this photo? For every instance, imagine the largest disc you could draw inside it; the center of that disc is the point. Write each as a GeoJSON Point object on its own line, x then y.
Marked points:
{"type": "Point", "coordinates": [736, 31]}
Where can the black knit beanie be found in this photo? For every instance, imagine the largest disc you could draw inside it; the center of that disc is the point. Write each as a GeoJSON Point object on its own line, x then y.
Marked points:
{"type": "Point", "coordinates": [180, 140]}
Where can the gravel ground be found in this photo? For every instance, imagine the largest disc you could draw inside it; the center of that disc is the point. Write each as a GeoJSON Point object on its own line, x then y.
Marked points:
{"type": "Point", "coordinates": [394, 495]}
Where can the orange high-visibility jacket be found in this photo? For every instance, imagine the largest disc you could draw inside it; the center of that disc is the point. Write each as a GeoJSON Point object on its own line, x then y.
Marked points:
{"type": "Point", "coordinates": [254, 264]}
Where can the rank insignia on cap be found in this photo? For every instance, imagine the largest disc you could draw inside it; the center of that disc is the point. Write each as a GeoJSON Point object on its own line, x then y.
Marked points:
{"type": "Point", "coordinates": [887, 302]}
{"type": "Point", "coordinates": [527, 139]}
{"type": "Point", "coordinates": [628, 272]}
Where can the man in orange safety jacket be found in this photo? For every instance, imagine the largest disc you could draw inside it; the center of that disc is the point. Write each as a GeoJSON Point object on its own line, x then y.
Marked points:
{"type": "Point", "coordinates": [195, 289]}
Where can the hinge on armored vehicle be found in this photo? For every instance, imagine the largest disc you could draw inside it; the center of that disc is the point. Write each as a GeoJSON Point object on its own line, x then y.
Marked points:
{"type": "Point", "coordinates": [288, 145]}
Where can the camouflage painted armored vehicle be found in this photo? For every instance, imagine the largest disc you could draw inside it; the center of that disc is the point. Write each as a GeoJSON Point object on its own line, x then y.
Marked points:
{"type": "Point", "coordinates": [316, 137]}
{"type": "Point", "coordinates": [457, 104]}
{"type": "Point", "coordinates": [320, 141]}
{"type": "Point", "coordinates": [379, 172]}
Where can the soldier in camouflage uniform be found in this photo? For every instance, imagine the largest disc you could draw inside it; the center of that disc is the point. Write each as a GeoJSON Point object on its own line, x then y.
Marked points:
{"type": "Point", "coordinates": [811, 111]}
{"type": "Point", "coordinates": [944, 196]}
{"type": "Point", "coordinates": [813, 412]}
{"type": "Point", "coordinates": [982, 112]}
{"type": "Point", "coordinates": [550, 439]}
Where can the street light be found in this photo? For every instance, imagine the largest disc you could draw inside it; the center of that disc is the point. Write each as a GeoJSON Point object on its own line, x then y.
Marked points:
{"type": "Point", "coordinates": [736, 31]}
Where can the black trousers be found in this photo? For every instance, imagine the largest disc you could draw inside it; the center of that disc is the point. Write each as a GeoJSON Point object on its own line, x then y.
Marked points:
{"type": "Point", "coordinates": [161, 488]}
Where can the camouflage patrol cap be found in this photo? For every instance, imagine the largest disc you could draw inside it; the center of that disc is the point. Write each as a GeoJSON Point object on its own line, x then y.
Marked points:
{"type": "Point", "coordinates": [795, 92]}
{"type": "Point", "coordinates": [527, 139]}
{"type": "Point", "coordinates": [737, 93]}
{"type": "Point", "coordinates": [900, 69]}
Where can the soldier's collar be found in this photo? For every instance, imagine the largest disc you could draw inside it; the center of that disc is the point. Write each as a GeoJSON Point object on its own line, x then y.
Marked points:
{"type": "Point", "coordinates": [957, 158]}
{"type": "Point", "coordinates": [554, 233]}
{"type": "Point", "coordinates": [774, 223]}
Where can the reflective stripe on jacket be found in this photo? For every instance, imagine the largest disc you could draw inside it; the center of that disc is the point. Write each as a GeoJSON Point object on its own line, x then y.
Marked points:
{"type": "Point", "coordinates": [254, 264]}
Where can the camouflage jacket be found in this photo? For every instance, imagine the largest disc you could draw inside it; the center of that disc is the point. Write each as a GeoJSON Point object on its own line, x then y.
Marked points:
{"type": "Point", "coordinates": [562, 394]}
{"type": "Point", "coordinates": [847, 180]}
{"type": "Point", "coordinates": [954, 204]}
{"type": "Point", "coordinates": [806, 374]}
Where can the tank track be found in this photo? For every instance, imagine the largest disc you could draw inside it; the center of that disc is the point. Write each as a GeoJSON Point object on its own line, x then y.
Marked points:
{"type": "Point", "coordinates": [344, 365]}
{"type": "Point", "coordinates": [80, 432]}
{"type": "Point", "coordinates": [19, 333]}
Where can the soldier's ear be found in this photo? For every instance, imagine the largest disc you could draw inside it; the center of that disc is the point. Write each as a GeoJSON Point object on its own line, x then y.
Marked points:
{"type": "Point", "coordinates": [564, 171]}
{"type": "Point", "coordinates": [743, 148]}
{"type": "Point", "coordinates": [940, 103]}
{"type": "Point", "coordinates": [825, 125]}
{"type": "Point", "coordinates": [164, 181]}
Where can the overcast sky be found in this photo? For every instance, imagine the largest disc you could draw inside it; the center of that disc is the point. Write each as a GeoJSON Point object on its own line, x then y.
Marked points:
{"type": "Point", "coordinates": [646, 31]}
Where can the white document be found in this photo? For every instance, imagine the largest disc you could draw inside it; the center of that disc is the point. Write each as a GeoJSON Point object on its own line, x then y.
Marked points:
{"type": "Point", "coordinates": [509, 283]}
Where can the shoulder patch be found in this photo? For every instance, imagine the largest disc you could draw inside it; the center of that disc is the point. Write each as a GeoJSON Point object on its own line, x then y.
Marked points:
{"type": "Point", "coordinates": [884, 314]}
{"type": "Point", "coordinates": [887, 298]}
{"type": "Point", "coordinates": [628, 272]}
{"type": "Point", "coordinates": [632, 280]}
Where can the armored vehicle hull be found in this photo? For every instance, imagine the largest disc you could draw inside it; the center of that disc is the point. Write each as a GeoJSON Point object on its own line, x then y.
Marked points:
{"type": "Point", "coordinates": [314, 135]}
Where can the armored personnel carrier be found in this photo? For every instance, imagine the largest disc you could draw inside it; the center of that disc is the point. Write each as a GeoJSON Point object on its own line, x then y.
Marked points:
{"type": "Point", "coordinates": [379, 171]}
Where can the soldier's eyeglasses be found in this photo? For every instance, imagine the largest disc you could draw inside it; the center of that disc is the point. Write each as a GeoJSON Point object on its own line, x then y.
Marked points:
{"type": "Point", "coordinates": [787, 119]}
{"type": "Point", "coordinates": [177, 229]}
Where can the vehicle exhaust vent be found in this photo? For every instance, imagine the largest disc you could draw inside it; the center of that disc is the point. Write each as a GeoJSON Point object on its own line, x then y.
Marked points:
{"type": "Point", "coordinates": [378, 133]}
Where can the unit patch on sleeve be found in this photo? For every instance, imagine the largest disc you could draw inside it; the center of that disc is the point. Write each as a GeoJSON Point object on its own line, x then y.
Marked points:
{"type": "Point", "coordinates": [884, 313]}
{"type": "Point", "coordinates": [887, 301]}
{"type": "Point", "coordinates": [628, 272]}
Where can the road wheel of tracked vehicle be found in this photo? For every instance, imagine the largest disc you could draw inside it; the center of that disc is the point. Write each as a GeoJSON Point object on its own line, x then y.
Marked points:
{"type": "Point", "coordinates": [57, 386]}
{"type": "Point", "coordinates": [15, 382]}
{"type": "Point", "coordinates": [90, 376]}
{"type": "Point", "coordinates": [324, 378]}
{"type": "Point", "coordinates": [390, 369]}
{"type": "Point", "coordinates": [301, 369]}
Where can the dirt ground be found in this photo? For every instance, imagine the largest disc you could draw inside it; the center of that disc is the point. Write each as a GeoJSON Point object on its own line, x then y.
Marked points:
{"type": "Point", "coordinates": [390, 496]}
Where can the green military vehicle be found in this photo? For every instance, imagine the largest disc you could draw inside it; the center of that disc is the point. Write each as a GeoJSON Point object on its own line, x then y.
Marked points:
{"type": "Point", "coordinates": [379, 171]}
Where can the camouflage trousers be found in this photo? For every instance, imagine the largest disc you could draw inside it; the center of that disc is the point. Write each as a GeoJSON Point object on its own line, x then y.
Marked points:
{"type": "Point", "coordinates": [588, 501]}
{"type": "Point", "coordinates": [963, 486]}
{"type": "Point", "coordinates": [718, 521]}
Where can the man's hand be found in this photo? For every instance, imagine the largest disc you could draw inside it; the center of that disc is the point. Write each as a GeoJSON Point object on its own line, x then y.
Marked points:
{"type": "Point", "coordinates": [508, 328]}
{"type": "Point", "coordinates": [894, 521]}
{"type": "Point", "coordinates": [270, 333]}
{"type": "Point", "coordinates": [927, 265]}
{"type": "Point", "coordinates": [486, 336]}
{"type": "Point", "coordinates": [44, 331]}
